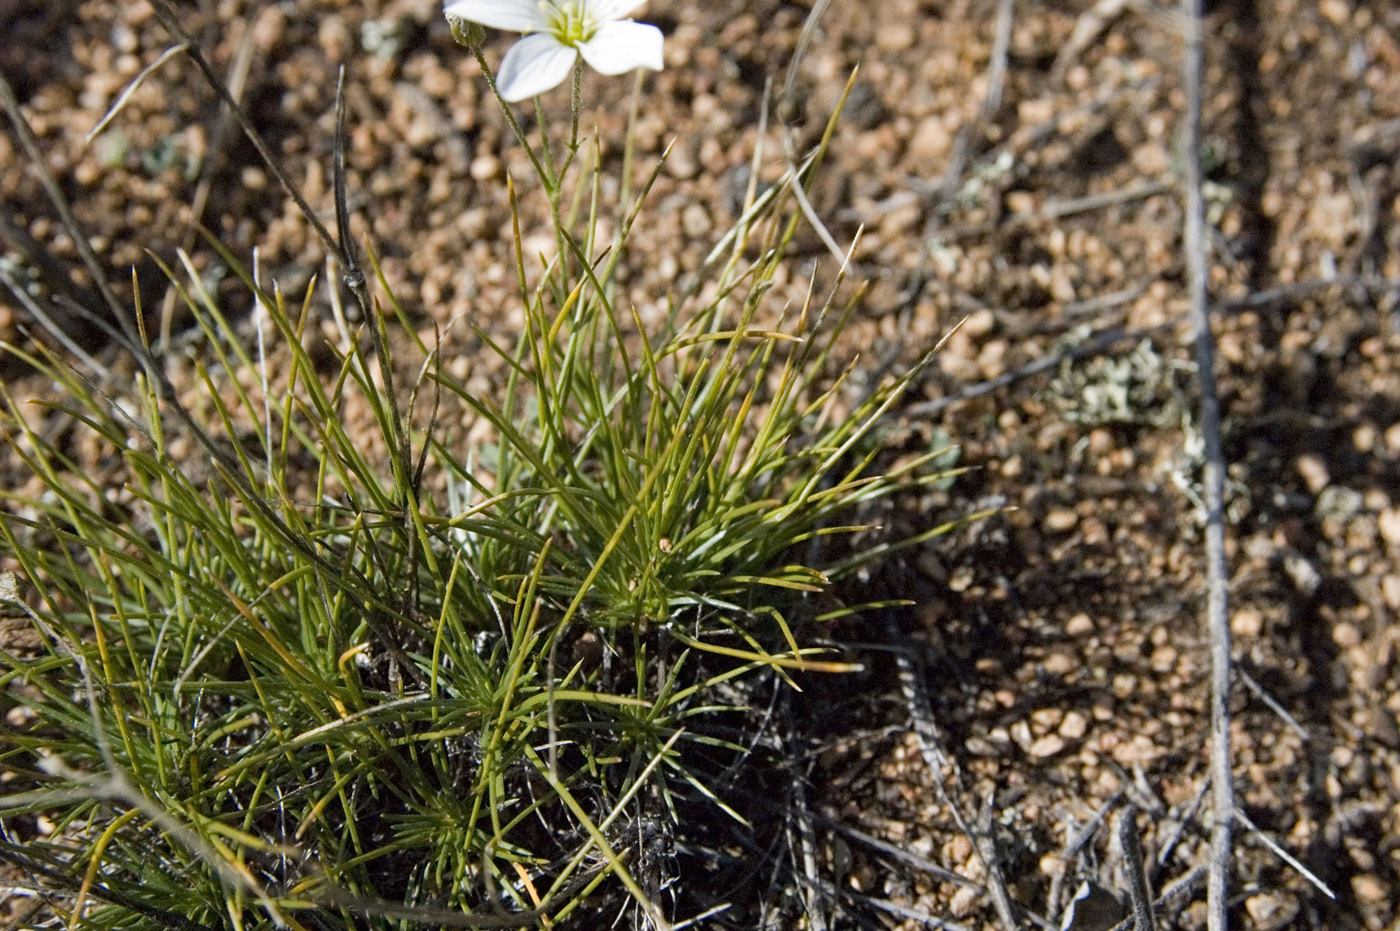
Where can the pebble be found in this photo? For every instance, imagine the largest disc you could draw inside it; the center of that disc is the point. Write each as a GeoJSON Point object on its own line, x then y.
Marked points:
{"type": "Point", "coordinates": [1271, 910]}
{"type": "Point", "coordinates": [1047, 746]}
{"type": "Point", "coordinates": [1368, 887]}
{"type": "Point", "coordinates": [895, 35]}
{"type": "Point", "coordinates": [1336, 11]}
{"type": "Point", "coordinates": [683, 162]}
{"type": "Point", "coordinates": [695, 221]}
{"type": "Point", "coordinates": [931, 141]}
{"type": "Point", "coordinates": [1247, 622]}
{"type": "Point", "coordinates": [1074, 726]}
{"type": "Point", "coordinates": [1313, 472]}
{"type": "Point", "coordinates": [485, 167]}
{"type": "Point", "coordinates": [1390, 592]}
{"type": "Point", "coordinates": [979, 323]}
{"type": "Point", "coordinates": [1381, 726]}
{"type": "Point", "coordinates": [1346, 635]}
{"type": "Point", "coordinates": [963, 901]}
{"type": "Point", "coordinates": [1060, 520]}
{"type": "Point", "coordinates": [1392, 437]}
{"type": "Point", "coordinates": [1389, 523]}
{"type": "Point", "coordinates": [1080, 625]}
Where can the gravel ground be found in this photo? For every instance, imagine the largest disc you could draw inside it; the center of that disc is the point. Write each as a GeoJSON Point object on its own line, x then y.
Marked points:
{"type": "Point", "coordinates": [1062, 640]}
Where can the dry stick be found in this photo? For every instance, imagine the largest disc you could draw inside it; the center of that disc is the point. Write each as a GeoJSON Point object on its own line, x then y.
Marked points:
{"type": "Point", "coordinates": [1213, 491]}
{"type": "Point", "coordinates": [906, 912]}
{"type": "Point", "coordinates": [1104, 339]}
{"type": "Point", "coordinates": [911, 684]}
{"type": "Point", "coordinates": [1001, 46]}
{"type": "Point", "coordinates": [1178, 830]}
{"type": "Point", "coordinates": [1059, 209]}
{"type": "Point", "coordinates": [1076, 844]}
{"type": "Point", "coordinates": [807, 843]}
{"type": "Point", "coordinates": [923, 864]}
{"type": "Point", "coordinates": [1087, 832]}
{"type": "Point", "coordinates": [1176, 890]}
{"type": "Point", "coordinates": [1137, 873]}
{"type": "Point", "coordinates": [1090, 347]}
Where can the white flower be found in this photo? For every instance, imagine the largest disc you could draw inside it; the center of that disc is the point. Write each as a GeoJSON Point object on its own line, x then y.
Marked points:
{"type": "Point", "coordinates": [557, 32]}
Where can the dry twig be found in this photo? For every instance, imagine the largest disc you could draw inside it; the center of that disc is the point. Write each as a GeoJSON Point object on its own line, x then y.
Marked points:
{"type": "Point", "coordinates": [1136, 871]}
{"type": "Point", "coordinates": [911, 684]}
{"type": "Point", "coordinates": [1213, 490]}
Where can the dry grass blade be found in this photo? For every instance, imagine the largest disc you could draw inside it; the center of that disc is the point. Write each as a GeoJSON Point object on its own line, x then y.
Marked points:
{"type": "Point", "coordinates": [132, 88]}
{"type": "Point", "coordinates": [1284, 855]}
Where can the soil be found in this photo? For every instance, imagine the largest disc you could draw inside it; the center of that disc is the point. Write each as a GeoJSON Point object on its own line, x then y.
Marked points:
{"type": "Point", "coordinates": [1062, 639]}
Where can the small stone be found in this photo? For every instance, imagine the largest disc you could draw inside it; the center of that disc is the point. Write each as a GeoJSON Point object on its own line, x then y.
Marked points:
{"type": "Point", "coordinates": [895, 35]}
{"type": "Point", "coordinates": [1337, 12]}
{"type": "Point", "coordinates": [1247, 622]}
{"type": "Point", "coordinates": [1368, 888]}
{"type": "Point", "coordinates": [1363, 439]}
{"type": "Point", "coordinates": [1061, 519]}
{"type": "Point", "coordinates": [1060, 664]}
{"type": "Point", "coordinates": [1346, 635]}
{"type": "Point", "coordinates": [1074, 726]}
{"type": "Point", "coordinates": [1314, 473]}
{"type": "Point", "coordinates": [1021, 734]}
{"type": "Point", "coordinates": [1271, 910]}
{"type": "Point", "coordinates": [930, 142]}
{"type": "Point", "coordinates": [992, 359]}
{"type": "Point", "coordinates": [1381, 726]}
{"type": "Point", "coordinates": [958, 850]}
{"type": "Point", "coordinates": [1080, 625]}
{"type": "Point", "coordinates": [485, 167]}
{"type": "Point", "coordinates": [695, 221]}
{"type": "Point", "coordinates": [269, 28]}
{"type": "Point", "coordinates": [1389, 523]}
{"type": "Point", "coordinates": [1047, 746]}
{"type": "Point", "coordinates": [682, 162]}
{"type": "Point", "coordinates": [1390, 591]}
{"type": "Point", "coordinates": [963, 901]}
{"type": "Point", "coordinates": [1021, 202]}
{"type": "Point", "coordinates": [979, 323]}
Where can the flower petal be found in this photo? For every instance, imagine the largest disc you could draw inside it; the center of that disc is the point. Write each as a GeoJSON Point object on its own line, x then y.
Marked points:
{"type": "Point", "coordinates": [612, 9]}
{"type": "Point", "coordinates": [619, 47]}
{"type": "Point", "coordinates": [534, 65]}
{"type": "Point", "coordinates": [514, 15]}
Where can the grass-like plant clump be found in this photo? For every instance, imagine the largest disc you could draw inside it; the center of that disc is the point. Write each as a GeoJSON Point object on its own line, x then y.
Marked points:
{"type": "Point", "coordinates": [319, 676]}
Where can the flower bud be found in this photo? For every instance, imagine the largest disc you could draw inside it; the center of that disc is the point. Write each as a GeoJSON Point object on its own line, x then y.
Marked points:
{"type": "Point", "coordinates": [466, 33]}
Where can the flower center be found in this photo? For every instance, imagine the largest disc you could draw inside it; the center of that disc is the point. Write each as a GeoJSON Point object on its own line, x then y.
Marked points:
{"type": "Point", "coordinates": [570, 21]}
